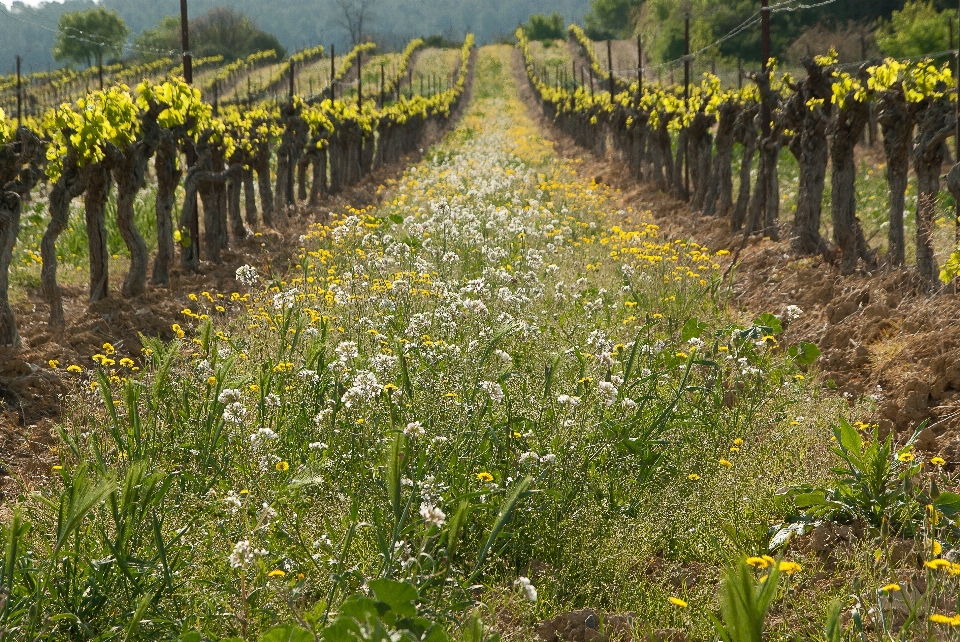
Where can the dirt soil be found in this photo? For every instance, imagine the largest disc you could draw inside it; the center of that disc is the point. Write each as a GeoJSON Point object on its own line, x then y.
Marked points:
{"type": "Point", "coordinates": [879, 334]}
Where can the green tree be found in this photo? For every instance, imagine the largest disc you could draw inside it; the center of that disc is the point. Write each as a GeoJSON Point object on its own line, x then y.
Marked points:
{"type": "Point", "coordinates": [90, 35]}
{"type": "Point", "coordinates": [610, 18]}
{"type": "Point", "coordinates": [543, 27]}
{"type": "Point", "coordinates": [916, 30]}
{"type": "Point", "coordinates": [162, 38]}
{"type": "Point", "coordinates": [230, 34]}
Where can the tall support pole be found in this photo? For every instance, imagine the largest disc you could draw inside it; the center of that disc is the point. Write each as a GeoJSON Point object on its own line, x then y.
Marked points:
{"type": "Point", "coordinates": [764, 105]}
{"type": "Point", "coordinates": [591, 81]}
{"type": "Point", "coordinates": [639, 64]}
{"type": "Point", "coordinates": [19, 93]}
{"type": "Point", "coordinates": [333, 72]}
{"type": "Point", "coordinates": [573, 68]}
{"type": "Point", "coordinates": [292, 90]}
{"type": "Point", "coordinates": [957, 113]}
{"type": "Point", "coordinates": [185, 43]}
{"type": "Point", "coordinates": [216, 99]}
{"type": "Point", "coordinates": [191, 153]}
{"type": "Point", "coordinates": [359, 79]}
{"type": "Point", "coordinates": [686, 100]}
{"type": "Point", "coordinates": [739, 72]}
{"type": "Point", "coordinates": [383, 82]}
{"type": "Point", "coordinates": [610, 69]}
{"type": "Point", "coordinates": [100, 68]}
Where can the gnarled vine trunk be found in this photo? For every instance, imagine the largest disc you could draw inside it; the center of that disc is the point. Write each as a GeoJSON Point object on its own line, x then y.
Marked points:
{"type": "Point", "coordinates": [935, 125]}
{"type": "Point", "coordinates": [897, 120]}
{"type": "Point", "coordinates": [847, 231]}
{"type": "Point", "coordinates": [168, 177]}
{"type": "Point", "coordinates": [718, 199]}
{"type": "Point", "coordinates": [95, 205]}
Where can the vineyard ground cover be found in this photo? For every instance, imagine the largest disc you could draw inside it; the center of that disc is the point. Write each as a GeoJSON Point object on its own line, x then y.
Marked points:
{"type": "Point", "coordinates": [497, 298]}
{"type": "Point", "coordinates": [439, 62]}
{"type": "Point", "coordinates": [887, 347]}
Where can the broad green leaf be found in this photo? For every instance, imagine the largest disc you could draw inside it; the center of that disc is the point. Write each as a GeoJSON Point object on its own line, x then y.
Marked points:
{"type": "Point", "coordinates": [769, 321]}
{"type": "Point", "coordinates": [804, 353]}
{"type": "Point", "coordinates": [399, 595]}
{"type": "Point", "coordinates": [848, 437]}
{"type": "Point", "coordinates": [948, 503]}
{"type": "Point", "coordinates": [692, 329]}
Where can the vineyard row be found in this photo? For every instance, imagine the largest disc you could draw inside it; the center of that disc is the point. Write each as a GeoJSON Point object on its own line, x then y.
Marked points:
{"type": "Point", "coordinates": [109, 138]}
{"type": "Point", "coordinates": [682, 140]}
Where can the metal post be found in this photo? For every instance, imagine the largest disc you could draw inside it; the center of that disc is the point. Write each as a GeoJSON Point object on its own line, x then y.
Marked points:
{"type": "Point", "coordinates": [639, 65]}
{"type": "Point", "coordinates": [292, 90]}
{"type": "Point", "coordinates": [957, 133]}
{"type": "Point", "coordinates": [610, 69]}
{"type": "Point", "coordinates": [686, 100]}
{"type": "Point", "coordinates": [764, 105]}
{"type": "Point", "coordinates": [185, 43]}
{"type": "Point", "coordinates": [191, 153]}
{"type": "Point", "coordinates": [19, 93]}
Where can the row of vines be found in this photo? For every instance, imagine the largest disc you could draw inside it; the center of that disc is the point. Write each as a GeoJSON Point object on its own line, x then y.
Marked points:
{"type": "Point", "coordinates": [109, 139]}
{"type": "Point", "coordinates": [684, 144]}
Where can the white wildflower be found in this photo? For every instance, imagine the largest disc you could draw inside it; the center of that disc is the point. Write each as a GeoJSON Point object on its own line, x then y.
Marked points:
{"type": "Point", "coordinates": [247, 275]}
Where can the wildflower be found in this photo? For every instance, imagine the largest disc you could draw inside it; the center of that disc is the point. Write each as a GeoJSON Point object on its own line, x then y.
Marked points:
{"type": "Point", "coordinates": [242, 554]}
{"type": "Point", "coordinates": [414, 429]}
{"type": "Point", "coordinates": [56, 468]}
{"type": "Point", "coordinates": [484, 477]}
{"type": "Point", "coordinates": [211, 381]}
{"type": "Point", "coordinates": [676, 601]}
{"type": "Point", "coordinates": [493, 390]}
{"type": "Point", "coordinates": [937, 564]}
{"type": "Point", "coordinates": [282, 466]}
{"type": "Point", "coordinates": [177, 330]}
{"type": "Point", "coordinates": [229, 395]}
{"type": "Point", "coordinates": [276, 573]}
{"type": "Point", "coordinates": [693, 476]}
{"type": "Point", "coordinates": [108, 348]}
{"type": "Point", "coordinates": [74, 369]}
{"type": "Point", "coordinates": [793, 312]}
{"type": "Point", "coordinates": [725, 463]}
{"type": "Point", "coordinates": [608, 392]}
{"type": "Point", "coordinates": [906, 457]}
{"type": "Point", "coordinates": [936, 461]}
{"type": "Point", "coordinates": [548, 459]}
{"type": "Point", "coordinates": [790, 567]}
{"type": "Point", "coordinates": [527, 588]}
{"type": "Point", "coordinates": [890, 588]}
{"type": "Point", "coordinates": [53, 363]}
{"type": "Point", "coordinates": [529, 457]}
{"type": "Point", "coordinates": [760, 562]}
{"type": "Point", "coordinates": [945, 619]}
{"type": "Point", "coordinates": [317, 445]}
{"type": "Point", "coordinates": [234, 413]}
{"type": "Point", "coordinates": [569, 400]}
{"type": "Point", "coordinates": [432, 515]}
{"type": "Point", "coordinates": [247, 275]}
{"type": "Point", "coordinates": [126, 362]}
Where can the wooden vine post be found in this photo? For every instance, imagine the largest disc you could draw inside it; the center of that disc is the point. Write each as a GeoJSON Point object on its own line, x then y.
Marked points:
{"type": "Point", "coordinates": [188, 145]}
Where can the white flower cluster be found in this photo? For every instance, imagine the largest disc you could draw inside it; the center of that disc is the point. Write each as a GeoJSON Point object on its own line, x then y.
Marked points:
{"type": "Point", "coordinates": [247, 275]}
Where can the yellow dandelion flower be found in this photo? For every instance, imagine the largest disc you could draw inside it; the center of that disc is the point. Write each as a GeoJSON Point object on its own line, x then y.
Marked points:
{"type": "Point", "coordinates": [938, 461]}
{"type": "Point", "coordinates": [485, 477]}
{"type": "Point", "coordinates": [693, 476]}
{"type": "Point", "coordinates": [276, 573]}
{"type": "Point", "coordinates": [676, 601]}
{"type": "Point", "coordinates": [53, 363]}
{"type": "Point", "coordinates": [725, 463]}
{"type": "Point", "coordinates": [890, 588]}
{"type": "Point", "coordinates": [282, 466]}
{"type": "Point", "coordinates": [74, 369]}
